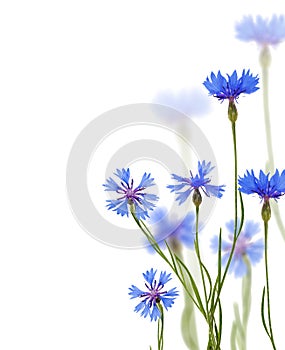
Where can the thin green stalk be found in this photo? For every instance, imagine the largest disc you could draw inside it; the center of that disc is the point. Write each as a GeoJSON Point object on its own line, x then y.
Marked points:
{"type": "Point", "coordinates": [212, 341]}
{"type": "Point", "coordinates": [236, 231]}
{"type": "Point", "coordinates": [268, 329]}
{"type": "Point", "coordinates": [160, 328]}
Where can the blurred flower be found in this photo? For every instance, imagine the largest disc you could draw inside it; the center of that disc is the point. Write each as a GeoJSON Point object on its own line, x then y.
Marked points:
{"type": "Point", "coordinates": [263, 186]}
{"type": "Point", "coordinates": [129, 195]}
{"type": "Point", "coordinates": [245, 245]}
{"type": "Point", "coordinates": [232, 87]}
{"type": "Point", "coordinates": [172, 229]}
{"type": "Point", "coordinates": [263, 31]}
{"type": "Point", "coordinates": [191, 102]}
{"type": "Point", "coordinates": [196, 182]}
{"type": "Point", "coordinates": [153, 295]}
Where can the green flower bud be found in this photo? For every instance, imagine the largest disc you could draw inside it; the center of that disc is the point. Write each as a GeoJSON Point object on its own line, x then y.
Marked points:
{"type": "Point", "coordinates": [266, 211]}
{"type": "Point", "coordinates": [232, 111]}
{"type": "Point", "coordinates": [197, 198]}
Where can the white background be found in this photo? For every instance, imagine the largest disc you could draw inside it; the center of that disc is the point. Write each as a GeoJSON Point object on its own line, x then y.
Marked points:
{"type": "Point", "coordinates": [62, 64]}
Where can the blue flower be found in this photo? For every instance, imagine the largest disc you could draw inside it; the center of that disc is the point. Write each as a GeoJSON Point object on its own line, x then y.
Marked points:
{"type": "Point", "coordinates": [129, 194]}
{"type": "Point", "coordinates": [191, 102]}
{"type": "Point", "coordinates": [232, 87]}
{"type": "Point", "coordinates": [245, 245]}
{"type": "Point", "coordinates": [263, 31]}
{"type": "Point", "coordinates": [263, 186]}
{"type": "Point", "coordinates": [172, 229]}
{"type": "Point", "coordinates": [154, 295]}
{"type": "Point", "coordinates": [199, 181]}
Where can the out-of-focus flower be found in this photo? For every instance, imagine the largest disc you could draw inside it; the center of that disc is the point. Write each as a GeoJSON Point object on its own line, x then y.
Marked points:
{"type": "Point", "coordinates": [194, 183]}
{"type": "Point", "coordinates": [231, 88]}
{"type": "Point", "coordinates": [130, 195]}
{"type": "Point", "coordinates": [191, 102]}
{"type": "Point", "coordinates": [263, 31]}
{"type": "Point", "coordinates": [154, 295]}
{"type": "Point", "coordinates": [172, 229]}
{"type": "Point", "coordinates": [245, 246]}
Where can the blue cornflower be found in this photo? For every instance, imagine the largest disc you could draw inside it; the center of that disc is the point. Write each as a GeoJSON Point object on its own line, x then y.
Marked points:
{"type": "Point", "coordinates": [245, 246]}
{"type": "Point", "coordinates": [231, 88]}
{"type": "Point", "coordinates": [263, 31]}
{"type": "Point", "coordinates": [194, 183]}
{"type": "Point", "coordinates": [172, 229]}
{"type": "Point", "coordinates": [153, 295]}
{"type": "Point", "coordinates": [263, 186]}
{"type": "Point", "coordinates": [130, 195]}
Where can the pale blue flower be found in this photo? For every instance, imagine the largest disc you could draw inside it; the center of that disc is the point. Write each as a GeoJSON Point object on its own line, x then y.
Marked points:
{"type": "Point", "coordinates": [263, 31]}
{"type": "Point", "coordinates": [128, 194]}
{"type": "Point", "coordinates": [154, 294]}
{"type": "Point", "coordinates": [246, 245]}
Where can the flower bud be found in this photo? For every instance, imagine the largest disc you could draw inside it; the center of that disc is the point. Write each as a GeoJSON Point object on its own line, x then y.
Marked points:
{"type": "Point", "coordinates": [197, 198]}
{"type": "Point", "coordinates": [266, 211]}
{"type": "Point", "coordinates": [232, 111]}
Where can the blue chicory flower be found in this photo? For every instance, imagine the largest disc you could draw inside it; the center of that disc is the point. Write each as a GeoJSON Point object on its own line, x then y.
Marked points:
{"type": "Point", "coordinates": [172, 229]}
{"type": "Point", "coordinates": [264, 187]}
{"type": "Point", "coordinates": [199, 181]}
{"type": "Point", "coordinates": [263, 31]}
{"type": "Point", "coordinates": [153, 295]}
{"type": "Point", "coordinates": [129, 194]}
{"type": "Point", "coordinates": [231, 88]}
{"type": "Point", "coordinates": [245, 245]}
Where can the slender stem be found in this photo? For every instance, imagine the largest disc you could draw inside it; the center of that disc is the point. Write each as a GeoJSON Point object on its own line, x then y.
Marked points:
{"type": "Point", "coordinates": [160, 328]}
{"type": "Point", "coordinates": [235, 218]}
{"type": "Point", "coordinates": [212, 341]}
{"type": "Point", "coordinates": [265, 59]}
{"type": "Point", "coordinates": [267, 285]}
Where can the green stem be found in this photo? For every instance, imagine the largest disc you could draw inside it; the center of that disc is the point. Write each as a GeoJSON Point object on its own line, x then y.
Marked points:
{"type": "Point", "coordinates": [212, 341]}
{"type": "Point", "coordinates": [235, 219]}
{"type": "Point", "coordinates": [188, 319]}
{"type": "Point", "coordinates": [160, 328]}
{"type": "Point", "coordinates": [270, 333]}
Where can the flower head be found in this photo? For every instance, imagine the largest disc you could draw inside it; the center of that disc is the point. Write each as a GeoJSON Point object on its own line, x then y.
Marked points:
{"type": "Point", "coordinates": [263, 186]}
{"type": "Point", "coordinates": [263, 31]}
{"type": "Point", "coordinates": [153, 295]}
{"type": "Point", "coordinates": [130, 195]}
{"type": "Point", "coordinates": [172, 229]}
{"type": "Point", "coordinates": [245, 246]}
{"type": "Point", "coordinates": [194, 183]}
{"type": "Point", "coordinates": [231, 88]}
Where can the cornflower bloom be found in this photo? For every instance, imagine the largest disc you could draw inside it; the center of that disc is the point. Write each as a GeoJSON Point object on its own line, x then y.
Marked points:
{"type": "Point", "coordinates": [231, 88]}
{"type": "Point", "coordinates": [130, 195]}
{"type": "Point", "coordinates": [154, 295]}
{"type": "Point", "coordinates": [264, 187]}
{"type": "Point", "coordinates": [245, 246]}
{"type": "Point", "coordinates": [263, 31]}
{"type": "Point", "coordinates": [194, 184]}
{"type": "Point", "coordinates": [172, 229]}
